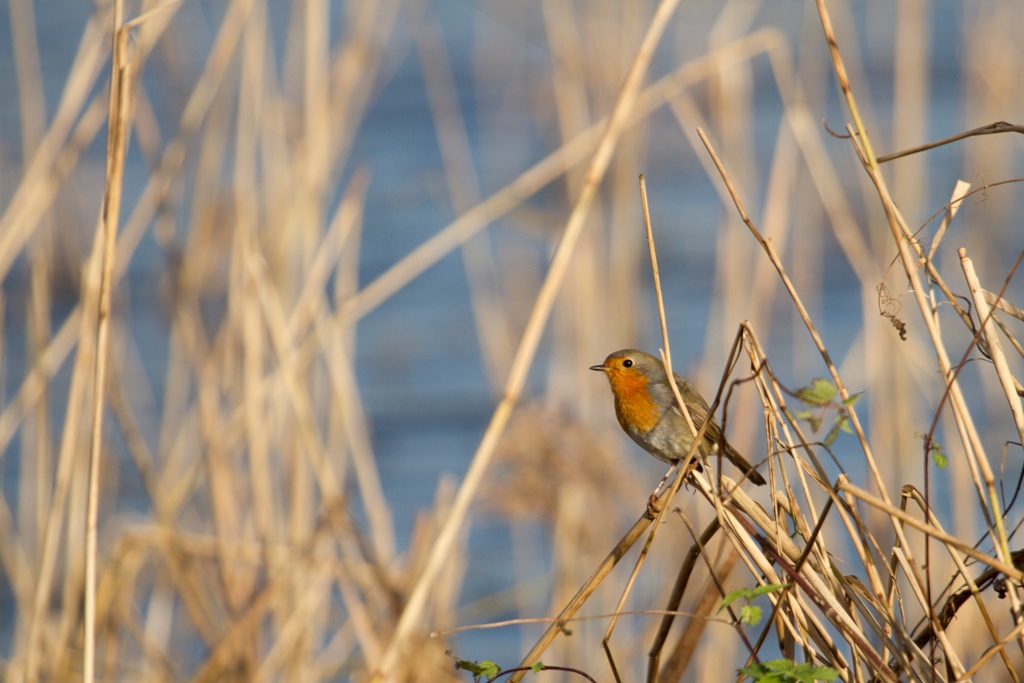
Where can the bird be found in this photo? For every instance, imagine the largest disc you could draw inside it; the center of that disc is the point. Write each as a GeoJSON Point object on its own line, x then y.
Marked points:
{"type": "Point", "coordinates": [647, 411]}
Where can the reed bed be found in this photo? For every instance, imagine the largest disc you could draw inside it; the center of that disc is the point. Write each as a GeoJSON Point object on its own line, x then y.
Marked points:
{"type": "Point", "coordinates": [204, 334]}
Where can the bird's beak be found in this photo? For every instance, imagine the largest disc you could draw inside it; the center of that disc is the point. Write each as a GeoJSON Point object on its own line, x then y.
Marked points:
{"type": "Point", "coordinates": [599, 368]}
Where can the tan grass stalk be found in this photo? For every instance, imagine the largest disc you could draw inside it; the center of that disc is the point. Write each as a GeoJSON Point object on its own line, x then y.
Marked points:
{"type": "Point", "coordinates": [844, 79]}
{"type": "Point", "coordinates": [982, 471]}
{"type": "Point", "coordinates": [34, 195]}
{"type": "Point", "coordinates": [680, 656]}
{"type": "Point", "coordinates": [120, 97]}
{"type": "Point", "coordinates": [666, 358]}
{"type": "Point", "coordinates": [530, 339]}
{"type": "Point", "coordinates": [681, 467]}
{"type": "Point", "coordinates": [589, 586]}
{"type": "Point", "coordinates": [342, 377]}
{"type": "Point", "coordinates": [308, 432]}
{"type": "Point", "coordinates": [816, 338]}
{"type": "Point", "coordinates": [542, 173]}
{"type": "Point", "coordinates": [968, 580]}
{"type": "Point", "coordinates": [33, 387]}
{"type": "Point", "coordinates": [28, 72]}
{"type": "Point", "coordinates": [997, 648]}
{"type": "Point", "coordinates": [261, 450]}
{"type": "Point", "coordinates": [34, 496]}
{"type": "Point", "coordinates": [818, 342]}
{"type": "Point", "coordinates": [899, 515]}
{"type": "Point", "coordinates": [196, 108]}
{"type": "Point", "coordinates": [990, 129]}
{"type": "Point", "coordinates": [995, 348]}
{"type": "Point", "coordinates": [978, 461]}
{"type": "Point", "coordinates": [528, 345]}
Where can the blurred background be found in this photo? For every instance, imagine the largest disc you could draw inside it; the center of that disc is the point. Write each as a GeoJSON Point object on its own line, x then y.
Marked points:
{"type": "Point", "coordinates": [336, 219]}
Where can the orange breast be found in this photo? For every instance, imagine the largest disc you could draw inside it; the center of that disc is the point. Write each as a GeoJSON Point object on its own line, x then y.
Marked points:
{"type": "Point", "coordinates": [633, 404]}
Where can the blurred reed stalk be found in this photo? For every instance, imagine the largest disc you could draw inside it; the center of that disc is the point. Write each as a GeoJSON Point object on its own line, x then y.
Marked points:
{"type": "Point", "coordinates": [214, 507]}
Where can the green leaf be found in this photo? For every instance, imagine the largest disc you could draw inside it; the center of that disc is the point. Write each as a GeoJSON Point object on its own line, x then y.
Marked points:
{"type": "Point", "coordinates": [733, 597]}
{"type": "Point", "coordinates": [939, 457]}
{"type": "Point", "coordinates": [787, 671]}
{"type": "Point", "coordinates": [762, 674]}
{"type": "Point", "coordinates": [843, 422]}
{"type": "Point", "coordinates": [768, 588]}
{"type": "Point", "coordinates": [813, 418]}
{"type": "Point", "coordinates": [750, 614]}
{"type": "Point", "coordinates": [537, 667]}
{"type": "Point", "coordinates": [852, 399]}
{"type": "Point", "coordinates": [815, 422]}
{"type": "Point", "coordinates": [485, 668]}
{"type": "Point", "coordinates": [820, 393]}
{"type": "Point", "coordinates": [489, 669]}
{"type": "Point", "coordinates": [832, 435]}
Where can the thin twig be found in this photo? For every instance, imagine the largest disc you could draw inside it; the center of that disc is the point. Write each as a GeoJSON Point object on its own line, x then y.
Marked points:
{"type": "Point", "coordinates": [120, 96]}
{"type": "Point", "coordinates": [990, 129]}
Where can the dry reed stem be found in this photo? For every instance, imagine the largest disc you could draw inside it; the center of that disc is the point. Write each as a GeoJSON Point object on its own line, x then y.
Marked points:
{"type": "Point", "coordinates": [995, 348]}
{"type": "Point", "coordinates": [542, 173]}
{"type": "Point", "coordinates": [844, 79]}
{"type": "Point", "coordinates": [34, 385]}
{"type": "Point", "coordinates": [960, 192]}
{"type": "Point", "coordinates": [979, 463]}
{"type": "Point", "coordinates": [37, 188]}
{"type": "Point", "coordinates": [899, 515]}
{"type": "Point", "coordinates": [666, 357]}
{"type": "Point", "coordinates": [968, 580]}
{"type": "Point", "coordinates": [50, 544]}
{"type": "Point", "coordinates": [246, 414]}
{"type": "Point", "coordinates": [120, 121]}
{"type": "Point", "coordinates": [918, 583]}
{"type": "Point", "coordinates": [415, 604]}
{"type": "Point", "coordinates": [874, 578]}
{"type": "Point", "coordinates": [980, 468]}
{"type": "Point", "coordinates": [589, 586]}
{"type": "Point", "coordinates": [686, 644]}
{"type": "Point", "coordinates": [681, 467]}
{"type": "Point", "coordinates": [666, 361]}
{"type": "Point", "coordinates": [764, 40]}
{"type": "Point", "coordinates": [32, 107]}
{"type": "Point", "coordinates": [1003, 305]}
{"type": "Point", "coordinates": [990, 129]}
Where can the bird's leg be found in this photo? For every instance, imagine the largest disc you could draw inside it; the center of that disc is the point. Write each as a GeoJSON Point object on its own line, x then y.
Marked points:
{"type": "Point", "coordinates": [652, 508]}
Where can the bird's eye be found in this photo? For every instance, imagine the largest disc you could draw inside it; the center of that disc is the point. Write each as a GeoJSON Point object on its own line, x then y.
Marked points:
{"type": "Point", "coordinates": [628, 363]}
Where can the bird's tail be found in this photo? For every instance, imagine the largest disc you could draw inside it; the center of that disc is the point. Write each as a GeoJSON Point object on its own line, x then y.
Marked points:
{"type": "Point", "coordinates": [736, 459]}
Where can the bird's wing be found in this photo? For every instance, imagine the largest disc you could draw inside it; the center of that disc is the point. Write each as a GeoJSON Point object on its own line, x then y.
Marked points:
{"type": "Point", "coordinates": [698, 408]}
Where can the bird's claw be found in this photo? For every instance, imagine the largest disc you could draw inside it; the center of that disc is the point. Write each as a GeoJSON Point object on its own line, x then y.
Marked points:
{"type": "Point", "coordinates": [652, 506]}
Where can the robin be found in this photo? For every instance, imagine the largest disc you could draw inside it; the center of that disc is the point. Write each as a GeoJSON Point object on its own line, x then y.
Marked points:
{"type": "Point", "coordinates": [647, 411]}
